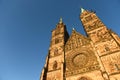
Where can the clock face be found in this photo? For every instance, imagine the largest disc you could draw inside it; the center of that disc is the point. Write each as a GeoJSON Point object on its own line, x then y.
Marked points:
{"type": "Point", "coordinates": [80, 60]}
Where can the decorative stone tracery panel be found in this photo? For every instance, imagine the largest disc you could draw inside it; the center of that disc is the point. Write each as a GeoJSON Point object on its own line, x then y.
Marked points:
{"type": "Point", "coordinates": [81, 60]}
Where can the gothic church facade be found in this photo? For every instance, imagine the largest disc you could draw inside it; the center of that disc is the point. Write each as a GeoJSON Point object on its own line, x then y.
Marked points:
{"type": "Point", "coordinates": [78, 57]}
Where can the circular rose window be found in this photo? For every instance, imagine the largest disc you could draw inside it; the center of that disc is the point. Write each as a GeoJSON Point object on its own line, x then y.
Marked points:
{"type": "Point", "coordinates": [80, 60]}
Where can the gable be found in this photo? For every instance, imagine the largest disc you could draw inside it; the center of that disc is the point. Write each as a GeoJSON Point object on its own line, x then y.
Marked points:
{"type": "Point", "coordinates": [76, 40]}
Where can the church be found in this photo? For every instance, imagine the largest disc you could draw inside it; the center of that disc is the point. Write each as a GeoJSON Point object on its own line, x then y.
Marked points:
{"type": "Point", "coordinates": [95, 56]}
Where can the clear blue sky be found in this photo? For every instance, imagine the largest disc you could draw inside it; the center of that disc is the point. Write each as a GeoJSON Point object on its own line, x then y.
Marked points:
{"type": "Point", "coordinates": [25, 31]}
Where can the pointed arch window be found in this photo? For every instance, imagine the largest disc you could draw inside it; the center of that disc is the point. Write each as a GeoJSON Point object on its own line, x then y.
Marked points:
{"type": "Point", "coordinates": [56, 51]}
{"type": "Point", "coordinates": [107, 48]}
{"type": "Point", "coordinates": [88, 18]}
{"type": "Point", "coordinates": [56, 40]}
{"type": "Point", "coordinates": [83, 78]}
{"type": "Point", "coordinates": [80, 41]}
{"type": "Point", "coordinates": [55, 64]}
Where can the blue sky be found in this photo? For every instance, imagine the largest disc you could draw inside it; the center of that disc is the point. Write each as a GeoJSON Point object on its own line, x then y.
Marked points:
{"type": "Point", "coordinates": [26, 25]}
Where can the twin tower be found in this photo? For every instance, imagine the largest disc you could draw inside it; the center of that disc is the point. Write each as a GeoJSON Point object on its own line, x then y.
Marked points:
{"type": "Point", "coordinates": [78, 57]}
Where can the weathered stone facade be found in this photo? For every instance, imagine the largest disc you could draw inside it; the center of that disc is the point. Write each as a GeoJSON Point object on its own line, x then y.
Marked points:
{"type": "Point", "coordinates": [77, 57]}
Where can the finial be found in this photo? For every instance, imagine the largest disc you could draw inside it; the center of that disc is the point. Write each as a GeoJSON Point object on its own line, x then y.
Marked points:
{"type": "Point", "coordinates": [73, 28]}
{"type": "Point", "coordinates": [82, 10]}
{"type": "Point", "coordinates": [60, 20]}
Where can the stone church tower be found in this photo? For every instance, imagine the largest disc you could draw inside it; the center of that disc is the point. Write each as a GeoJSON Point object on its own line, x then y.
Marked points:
{"type": "Point", "coordinates": [78, 57]}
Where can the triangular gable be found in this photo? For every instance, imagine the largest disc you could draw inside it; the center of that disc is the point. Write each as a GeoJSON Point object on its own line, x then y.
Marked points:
{"type": "Point", "coordinates": [76, 40]}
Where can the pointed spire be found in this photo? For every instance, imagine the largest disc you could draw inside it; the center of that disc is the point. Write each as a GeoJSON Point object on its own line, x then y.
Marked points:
{"type": "Point", "coordinates": [60, 20]}
{"type": "Point", "coordinates": [82, 10]}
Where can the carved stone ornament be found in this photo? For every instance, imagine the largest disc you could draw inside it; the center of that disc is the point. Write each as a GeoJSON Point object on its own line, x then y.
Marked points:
{"type": "Point", "coordinates": [103, 36]}
{"type": "Point", "coordinates": [80, 59]}
{"type": "Point", "coordinates": [94, 25]}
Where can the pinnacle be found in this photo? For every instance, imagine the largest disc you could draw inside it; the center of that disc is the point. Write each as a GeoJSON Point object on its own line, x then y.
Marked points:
{"type": "Point", "coordinates": [73, 28]}
{"type": "Point", "coordinates": [60, 20]}
{"type": "Point", "coordinates": [82, 10]}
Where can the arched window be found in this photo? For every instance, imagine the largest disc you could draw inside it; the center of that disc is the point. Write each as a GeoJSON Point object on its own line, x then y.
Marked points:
{"type": "Point", "coordinates": [107, 48]}
{"type": "Point", "coordinates": [56, 52]}
{"type": "Point", "coordinates": [88, 18]}
{"type": "Point", "coordinates": [56, 40]}
{"type": "Point", "coordinates": [83, 78]}
{"type": "Point", "coordinates": [55, 65]}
